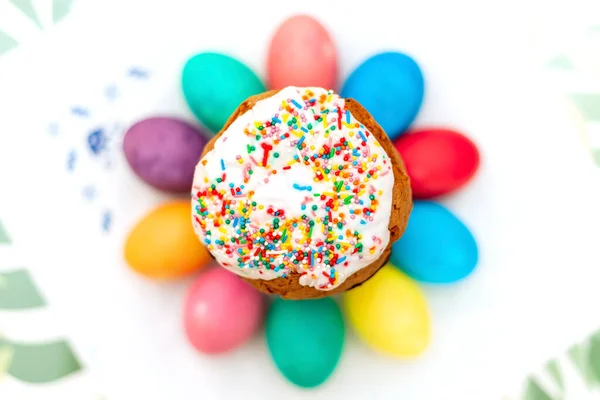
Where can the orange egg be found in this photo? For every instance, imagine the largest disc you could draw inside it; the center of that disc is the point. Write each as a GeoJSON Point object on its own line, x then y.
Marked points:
{"type": "Point", "coordinates": [163, 245]}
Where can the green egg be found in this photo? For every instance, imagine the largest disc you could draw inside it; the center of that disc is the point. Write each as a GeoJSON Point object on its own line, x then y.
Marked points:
{"type": "Point", "coordinates": [305, 339]}
{"type": "Point", "coordinates": [214, 85]}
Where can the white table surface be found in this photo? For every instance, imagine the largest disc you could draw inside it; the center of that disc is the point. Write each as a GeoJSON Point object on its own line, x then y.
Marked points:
{"type": "Point", "coordinates": [533, 206]}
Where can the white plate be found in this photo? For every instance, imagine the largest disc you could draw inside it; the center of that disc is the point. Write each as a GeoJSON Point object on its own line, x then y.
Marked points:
{"type": "Point", "coordinates": [533, 206]}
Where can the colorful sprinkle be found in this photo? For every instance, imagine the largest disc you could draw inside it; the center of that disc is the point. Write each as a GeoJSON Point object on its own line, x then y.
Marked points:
{"type": "Point", "coordinates": [300, 142]}
{"type": "Point", "coordinates": [298, 187]}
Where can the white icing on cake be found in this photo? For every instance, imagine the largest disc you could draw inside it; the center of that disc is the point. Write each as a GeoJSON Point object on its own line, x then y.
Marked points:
{"type": "Point", "coordinates": [295, 213]}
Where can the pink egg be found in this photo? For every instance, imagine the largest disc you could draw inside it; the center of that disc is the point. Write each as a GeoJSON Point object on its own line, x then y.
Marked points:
{"type": "Point", "coordinates": [301, 54]}
{"type": "Point", "coordinates": [221, 311]}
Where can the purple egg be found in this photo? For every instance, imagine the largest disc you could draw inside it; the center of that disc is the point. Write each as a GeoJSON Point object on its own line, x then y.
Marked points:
{"type": "Point", "coordinates": [164, 151]}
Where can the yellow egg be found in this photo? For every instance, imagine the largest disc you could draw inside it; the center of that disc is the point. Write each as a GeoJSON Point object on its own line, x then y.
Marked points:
{"type": "Point", "coordinates": [163, 245]}
{"type": "Point", "coordinates": [389, 313]}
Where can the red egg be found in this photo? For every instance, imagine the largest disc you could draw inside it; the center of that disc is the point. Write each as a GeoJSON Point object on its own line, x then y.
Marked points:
{"type": "Point", "coordinates": [438, 160]}
{"type": "Point", "coordinates": [301, 54]}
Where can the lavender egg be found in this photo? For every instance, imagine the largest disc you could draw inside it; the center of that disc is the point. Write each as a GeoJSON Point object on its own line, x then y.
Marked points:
{"type": "Point", "coordinates": [164, 151]}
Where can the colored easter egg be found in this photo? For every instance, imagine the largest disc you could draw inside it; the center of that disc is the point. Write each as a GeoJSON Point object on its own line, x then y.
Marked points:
{"type": "Point", "coordinates": [221, 311]}
{"type": "Point", "coordinates": [163, 152]}
{"type": "Point", "coordinates": [436, 246]}
{"type": "Point", "coordinates": [163, 244]}
{"type": "Point", "coordinates": [214, 85]}
{"type": "Point", "coordinates": [438, 160]}
{"type": "Point", "coordinates": [301, 54]}
{"type": "Point", "coordinates": [305, 339]}
{"type": "Point", "coordinates": [391, 87]}
{"type": "Point", "coordinates": [389, 313]}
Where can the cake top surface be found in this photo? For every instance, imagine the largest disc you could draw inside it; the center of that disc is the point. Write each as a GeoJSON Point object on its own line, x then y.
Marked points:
{"type": "Point", "coordinates": [295, 184]}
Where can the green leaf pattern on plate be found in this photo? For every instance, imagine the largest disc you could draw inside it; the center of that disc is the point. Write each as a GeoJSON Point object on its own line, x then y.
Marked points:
{"type": "Point", "coordinates": [554, 371]}
{"type": "Point", "coordinates": [4, 238]}
{"type": "Point", "coordinates": [596, 156]}
{"type": "Point", "coordinates": [578, 355]}
{"type": "Point", "coordinates": [6, 42]}
{"type": "Point", "coordinates": [17, 291]}
{"type": "Point", "coordinates": [60, 9]}
{"type": "Point", "coordinates": [534, 392]}
{"type": "Point", "coordinates": [594, 29]}
{"type": "Point", "coordinates": [6, 356]}
{"type": "Point", "coordinates": [40, 362]}
{"type": "Point", "coordinates": [29, 8]}
{"type": "Point", "coordinates": [575, 373]}
{"type": "Point", "coordinates": [30, 362]}
{"type": "Point", "coordinates": [587, 104]}
{"type": "Point", "coordinates": [593, 359]}
{"type": "Point", "coordinates": [561, 62]}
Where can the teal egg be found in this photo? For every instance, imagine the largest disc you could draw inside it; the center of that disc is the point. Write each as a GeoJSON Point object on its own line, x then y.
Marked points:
{"type": "Point", "coordinates": [436, 246]}
{"type": "Point", "coordinates": [214, 85]}
{"type": "Point", "coordinates": [305, 339]}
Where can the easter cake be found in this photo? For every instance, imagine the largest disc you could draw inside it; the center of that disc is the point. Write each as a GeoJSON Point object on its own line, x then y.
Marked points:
{"type": "Point", "coordinates": [301, 193]}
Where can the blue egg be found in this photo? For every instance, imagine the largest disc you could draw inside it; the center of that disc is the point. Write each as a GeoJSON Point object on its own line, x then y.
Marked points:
{"type": "Point", "coordinates": [436, 246]}
{"type": "Point", "coordinates": [390, 86]}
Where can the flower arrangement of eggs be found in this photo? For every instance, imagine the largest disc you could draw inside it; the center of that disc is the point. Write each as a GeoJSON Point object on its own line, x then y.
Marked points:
{"type": "Point", "coordinates": [389, 312]}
